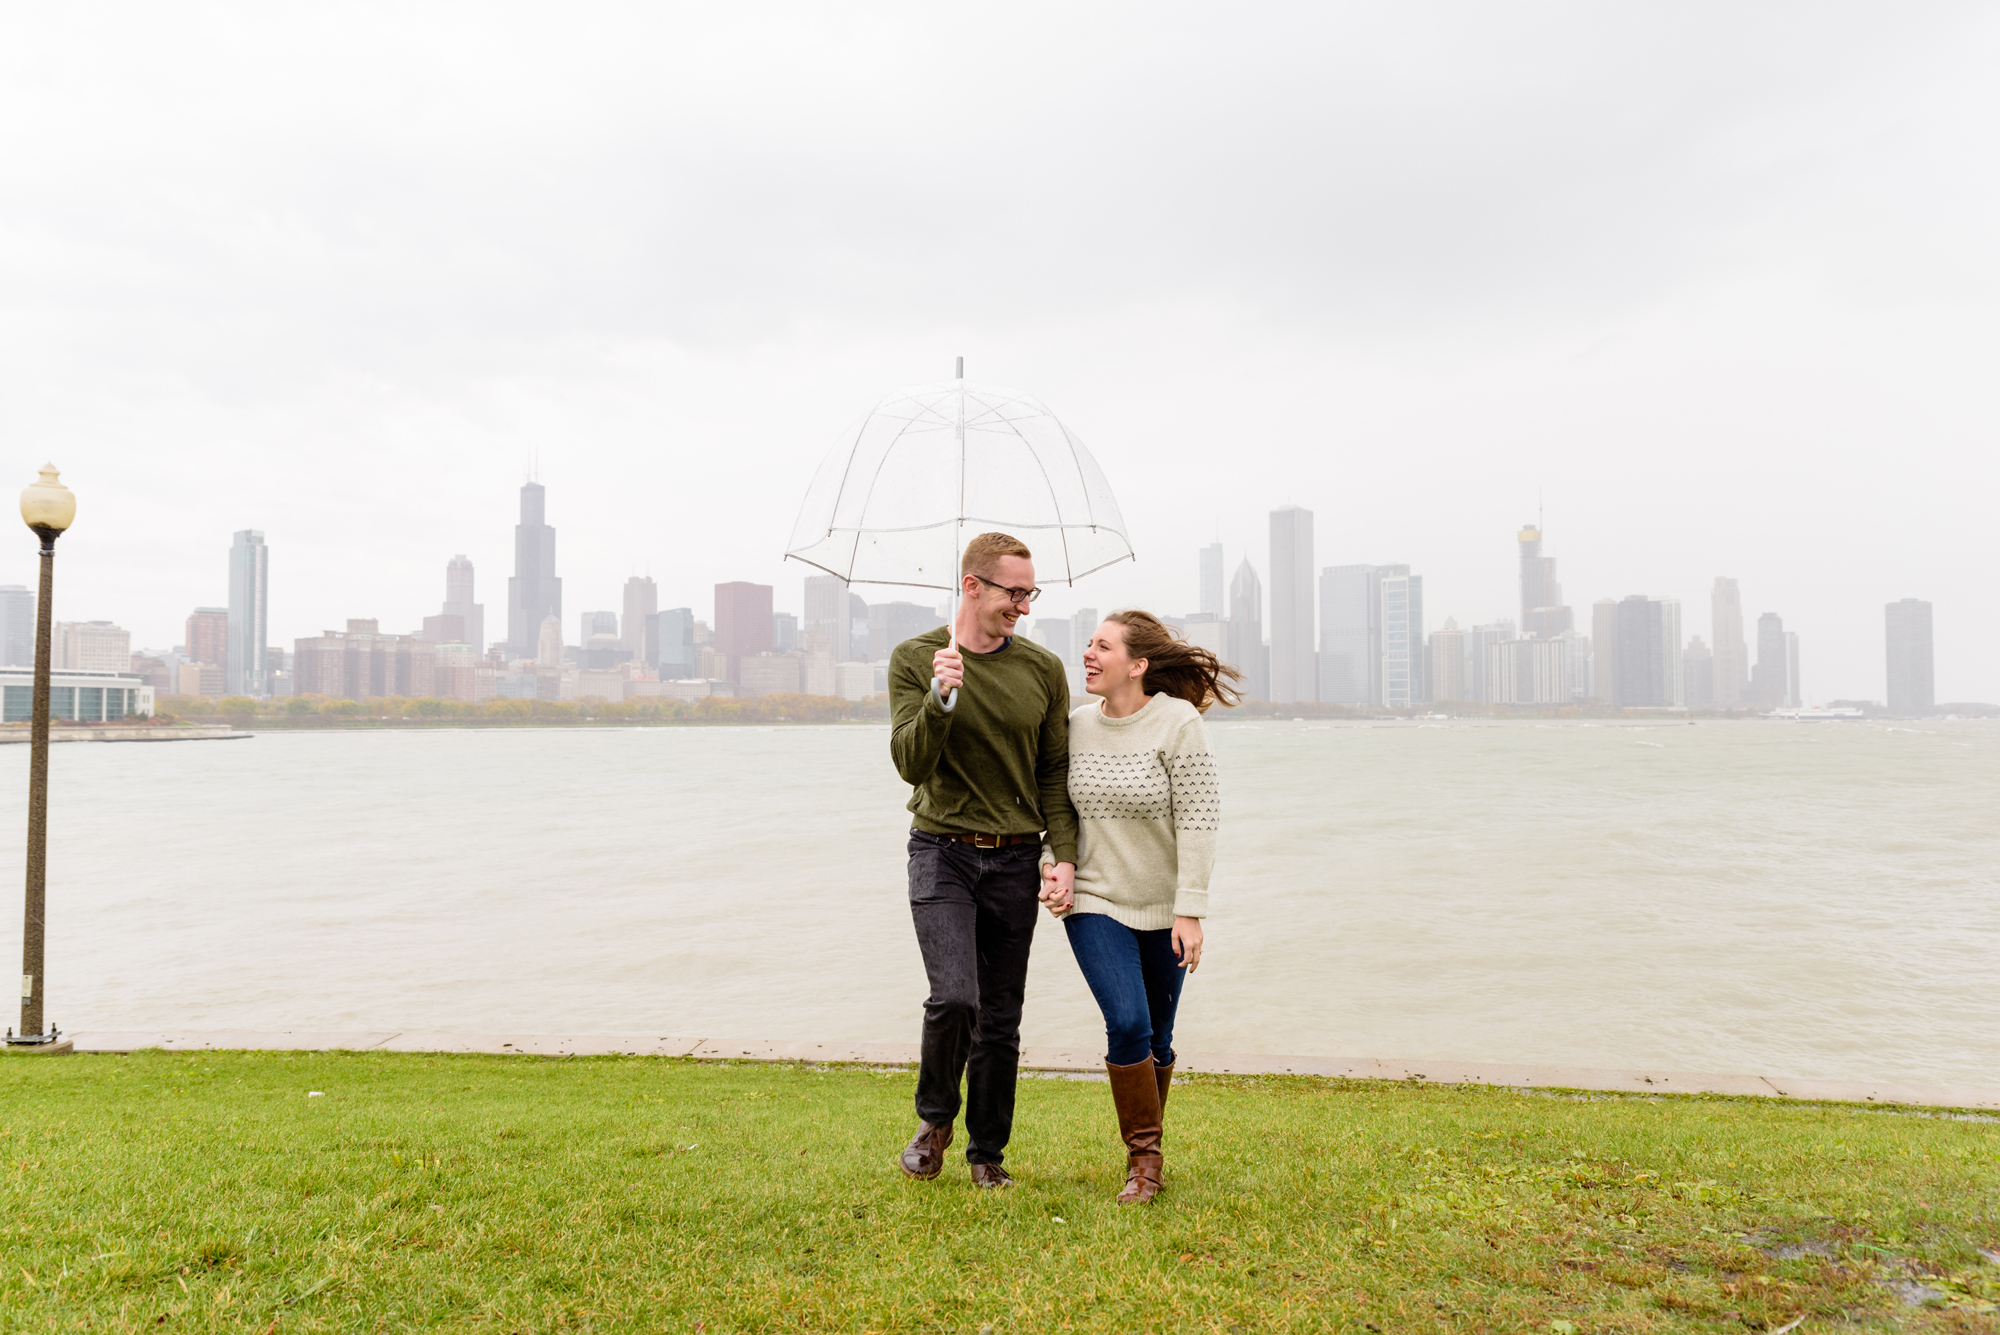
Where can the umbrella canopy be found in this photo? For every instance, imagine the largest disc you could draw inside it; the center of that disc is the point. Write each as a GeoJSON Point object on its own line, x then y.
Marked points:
{"type": "Point", "coordinates": [931, 467]}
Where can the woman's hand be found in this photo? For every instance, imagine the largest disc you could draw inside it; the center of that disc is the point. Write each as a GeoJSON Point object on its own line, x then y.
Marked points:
{"type": "Point", "coordinates": [1187, 942]}
{"type": "Point", "coordinates": [1058, 887]}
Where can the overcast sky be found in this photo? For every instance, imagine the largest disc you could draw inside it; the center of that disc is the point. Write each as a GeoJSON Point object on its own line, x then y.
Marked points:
{"type": "Point", "coordinates": [1716, 282]}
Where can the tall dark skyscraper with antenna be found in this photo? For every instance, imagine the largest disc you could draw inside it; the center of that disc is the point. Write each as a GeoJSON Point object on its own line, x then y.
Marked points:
{"type": "Point", "coordinates": [533, 593]}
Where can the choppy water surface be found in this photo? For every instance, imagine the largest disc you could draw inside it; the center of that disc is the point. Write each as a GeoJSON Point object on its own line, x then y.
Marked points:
{"type": "Point", "coordinates": [1805, 900]}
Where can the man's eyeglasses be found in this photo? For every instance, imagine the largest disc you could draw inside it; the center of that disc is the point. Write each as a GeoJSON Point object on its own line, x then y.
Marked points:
{"type": "Point", "coordinates": [1013, 595]}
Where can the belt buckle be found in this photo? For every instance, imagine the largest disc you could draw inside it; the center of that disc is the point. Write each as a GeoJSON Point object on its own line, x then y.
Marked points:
{"type": "Point", "coordinates": [986, 841]}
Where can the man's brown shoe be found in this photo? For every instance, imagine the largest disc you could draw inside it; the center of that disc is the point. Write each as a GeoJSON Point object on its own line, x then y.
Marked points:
{"type": "Point", "coordinates": [990, 1175]}
{"type": "Point", "coordinates": [923, 1157]}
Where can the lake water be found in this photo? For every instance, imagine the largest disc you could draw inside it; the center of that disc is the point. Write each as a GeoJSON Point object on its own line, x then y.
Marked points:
{"type": "Point", "coordinates": [1811, 900]}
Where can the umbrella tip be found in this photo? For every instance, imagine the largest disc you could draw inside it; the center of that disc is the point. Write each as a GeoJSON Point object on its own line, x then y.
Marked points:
{"type": "Point", "coordinates": [961, 368]}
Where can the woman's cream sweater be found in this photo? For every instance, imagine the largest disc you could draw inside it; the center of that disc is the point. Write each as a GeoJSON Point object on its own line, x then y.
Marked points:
{"type": "Point", "coordinates": [1147, 805]}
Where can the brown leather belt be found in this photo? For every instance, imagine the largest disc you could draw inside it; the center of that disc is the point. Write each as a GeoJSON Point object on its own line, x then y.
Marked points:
{"type": "Point", "coordinates": [995, 840]}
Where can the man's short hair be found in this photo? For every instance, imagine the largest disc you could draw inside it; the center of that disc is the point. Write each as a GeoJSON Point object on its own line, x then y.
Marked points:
{"type": "Point", "coordinates": [984, 552]}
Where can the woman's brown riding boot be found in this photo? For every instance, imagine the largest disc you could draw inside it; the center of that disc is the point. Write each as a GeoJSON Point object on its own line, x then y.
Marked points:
{"type": "Point", "coordinates": [1165, 1075]}
{"type": "Point", "coordinates": [1135, 1092]}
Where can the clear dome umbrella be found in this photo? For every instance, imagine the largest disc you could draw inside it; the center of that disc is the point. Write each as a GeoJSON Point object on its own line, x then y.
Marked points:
{"type": "Point", "coordinates": [931, 467]}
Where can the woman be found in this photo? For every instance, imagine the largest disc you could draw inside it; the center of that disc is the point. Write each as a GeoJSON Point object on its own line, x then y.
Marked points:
{"type": "Point", "coordinates": [1147, 803]}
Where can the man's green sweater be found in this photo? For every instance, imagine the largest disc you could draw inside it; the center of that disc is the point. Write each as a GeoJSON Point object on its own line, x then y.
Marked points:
{"type": "Point", "coordinates": [998, 763]}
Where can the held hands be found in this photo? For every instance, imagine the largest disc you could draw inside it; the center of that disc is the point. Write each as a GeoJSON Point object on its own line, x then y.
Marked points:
{"type": "Point", "coordinates": [1058, 887]}
{"type": "Point", "coordinates": [948, 666]}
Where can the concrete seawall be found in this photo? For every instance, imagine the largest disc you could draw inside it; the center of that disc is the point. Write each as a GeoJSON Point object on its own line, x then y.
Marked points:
{"type": "Point", "coordinates": [201, 733]}
{"type": "Point", "coordinates": [1049, 1059]}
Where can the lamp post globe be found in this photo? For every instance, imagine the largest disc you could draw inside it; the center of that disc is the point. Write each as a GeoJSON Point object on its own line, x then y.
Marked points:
{"type": "Point", "coordinates": [47, 504]}
{"type": "Point", "coordinates": [48, 508]}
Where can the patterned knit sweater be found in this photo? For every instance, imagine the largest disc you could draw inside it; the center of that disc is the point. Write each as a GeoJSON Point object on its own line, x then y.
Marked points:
{"type": "Point", "coordinates": [1147, 804]}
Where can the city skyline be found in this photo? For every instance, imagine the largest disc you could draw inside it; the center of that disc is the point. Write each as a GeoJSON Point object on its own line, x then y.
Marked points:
{"type": "Point", "coordinates": [1745, 275]}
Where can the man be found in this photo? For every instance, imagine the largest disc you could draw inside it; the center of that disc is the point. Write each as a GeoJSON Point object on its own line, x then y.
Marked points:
{"type": "Point", "coordinates": [991, 773]}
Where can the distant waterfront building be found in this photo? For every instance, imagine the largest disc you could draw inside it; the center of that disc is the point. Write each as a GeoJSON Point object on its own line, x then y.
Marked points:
{"type": "Point", "coordinates": [742, 622]}
{"type": "Point", "coordinates": [1293, 644]}
{"type": "Point", "coordinates": [1052, 633]}
{"type": "Point", "coordinates": [1732, 655]}
{"type": "Point", "coordinates": [1648, 652]}
{"type": "Point", "coordinates": [1247, 651]}
{"type": "Point", "coordinates": [676, 644]}
{"type": "Point", "coordinates": [549, 645]}
{"type": "Point", "coordinates": [90, 646]}
{"type": "Point", "coordinates": [1579, 663]}
{"type": "Point", "coordinates": [207, 636]}
{"type": "Point", "coordinates": [17, 626]}
{"type": "Point", "coordinates": [1083, 625]}
{"type": "Point", "coordinates": [1912, 683]}
{"type": "Point", "coordinates": [1350, 635]}
{"type": "Point", "coordinates": [249, 613]}
{"type": "Point", "coordinates": [459, 602]}
{"type": "Point", "coordinates": [1769, 679]}
{"type": "Point", "coordinates": [1479, 641]}
{"type": "Point", "coordinates": [534, 594]}
{"type": "Point", "coordinates": [1698, 674]}
{"type": "Point", "coordinates": [828, 626]}
{"type": "Point", "coordinates": [1528, 672]}
{"type": "Point", "coordinates": [853, 681]}
{"type": "Point", "coordinates": [1447, 650]}
{"type": "Point", "coordinates": [642, 600]}
{"type": "Point", "coordinates": [784, 632]}
{"type": "Point", "coordinates": [1792, 697]}
{"type": "Point", "coordinates": [1211, 580]}
{"type": "Point", "coordinates": [1402, 621]}
{"type": "Point", "coordinates": [1543, 617]}
{"type": "Point", "coordinates": [768, 673]}
{"type": "Point", "coordinates": [202, 679]}
{"type": "Point", "coordinates": [889, 624]}
{"type": "Point", "coordinates": [1210, 631]}
{"type": "Point", "coordinates": [816, 673]}
{"type": "Point", "coordinates": [75, 695]}
{"type": "Point", "coordinates": [592, 624]}
{"type": "Point", "coordinates": [1604, 650]}
{"type": "Point", "coordinates": [361, 663]}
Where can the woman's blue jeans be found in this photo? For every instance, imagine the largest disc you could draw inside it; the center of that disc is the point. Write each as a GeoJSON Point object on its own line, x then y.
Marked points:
{"type": "Point", "coordinates": [1137, 983]}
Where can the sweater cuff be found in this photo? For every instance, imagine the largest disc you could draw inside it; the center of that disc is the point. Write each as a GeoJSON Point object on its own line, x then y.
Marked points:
{"type": "Point", "coordinates": [1058, 853]}
{"type": "Point", "coordinates": [1190, 903]}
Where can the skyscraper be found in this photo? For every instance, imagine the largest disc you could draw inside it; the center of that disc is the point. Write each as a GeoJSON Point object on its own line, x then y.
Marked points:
{"type": "Point", "coordinates": [1350, 636]}
{"type": "Point", "coordinates": [1648, 670]}
{"type": "Point", "coordinates": [1082, 626]}
{"type": "Point", "coordinates": [1732, 655]}
{"type": "Point", "coordinates": [828, 626]}
{"type": "Point", "coordinates": [1293, 645]}
{"type": "Point", "coordinates": [207, 636]}
{"type": "Point", "coordinates": [1792, 697]}
{"type": "Point", "coordinates": [676, 644]}
{"type": "Point", "coordinates": [642, 599]}
{"type": "Point", "coordinates": [534, 594]}
{"type": "Point", "coordinates": [1912, 687]}
{"type": "Point", "coordinates": [1604, 650]}
{"type": "Point", "coordinates": [1402, 620]}
{"type": "Point", "coordinates": [458, 601]}
{"type": "Point", "coordinates": [1246, 632]}
{"type": "Point", "coordinates": [1447, 662]}
{"type": "Point", "coordinates": [1480, 682]}
{"type": "Point", "coordinates": [1211, 580]}
{"type": "Point", "coordinates": [1698, 671]}
{"type": "Point", "coordinates": [1768, 678]}
{"type": "Point", "coordinates": [1543, 617]}
{"type": "Point", "coordinates": [249, 614]}
{"type": "Point", "coordinates": [742, 622]}
{"type": "Point", "coordinates": [17, 626]}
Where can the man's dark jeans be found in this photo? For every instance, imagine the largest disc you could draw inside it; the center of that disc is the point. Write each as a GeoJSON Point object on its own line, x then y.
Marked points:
{"type": "Point", "coordinates": [975, 913]}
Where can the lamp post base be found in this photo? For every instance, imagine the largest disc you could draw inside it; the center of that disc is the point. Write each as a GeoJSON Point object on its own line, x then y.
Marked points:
{"type": "Point", "coordinates": [39, 1045]}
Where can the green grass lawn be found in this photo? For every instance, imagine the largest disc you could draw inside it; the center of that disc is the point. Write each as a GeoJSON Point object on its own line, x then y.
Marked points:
{"type": "Point", "coordinates": [167, 1192]}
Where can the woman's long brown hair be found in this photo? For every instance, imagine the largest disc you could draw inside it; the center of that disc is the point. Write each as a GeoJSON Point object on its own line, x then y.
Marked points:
{"type": "Point", "coordinates": [1175, 667]}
